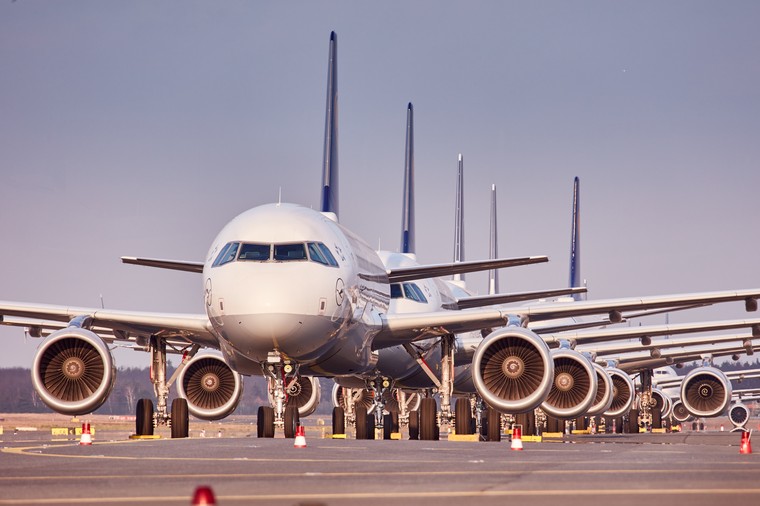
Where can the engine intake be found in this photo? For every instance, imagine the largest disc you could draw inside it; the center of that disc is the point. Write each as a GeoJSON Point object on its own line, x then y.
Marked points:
{"type": "Point", "coordinates": [303, 392]}
{"type": "Point", "coordinates": [662, 402]}
{"type": "Point", "coordinates": [706, 392]}
{"type": "Point", "coordinates": [513, 370]}
{"type": "Point", "coordinates": [211, 387]}
{"type": "Point", "coordinates": [73, 371]}
{"type": "Point", "coordinates": [603, 399]}
{"type": "Point", "coordinates": [574, 387]}
{"type": "Point", "coordinates": [680, 413]}
{"type": "Point", "coordinates": [623, 393]}
{"type": "Point", "coordinates": [738, 414]}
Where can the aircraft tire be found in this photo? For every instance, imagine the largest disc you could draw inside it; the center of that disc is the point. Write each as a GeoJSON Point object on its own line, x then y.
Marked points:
{"type": "Point", "coordinates": [265, 422]}
{"type": "Point", "coordinates": [387, 426]}
{"type": "Point", "coordinates": [361, 421]}
{"type": "Point", "coordinates": [292, 419]}
{"type": "Point", "coordinates": [144, 418]}
{"type": "Point", "coordinates": [414, 425]}
{"type": "Point", "coordinates": [180, 419]}
{"type": "Point", "coordinates": [338, 421]}
{"type": "Point", "coordinates": [528, 422]}
{"type": "Point", "coordinates": [428, 419]}
{"type": "Point", "coordinates": [462, 416]}
{"type": "Point", "coordinates": [370, 426]}
{"type": "Point", "coordinates": [494, 425]}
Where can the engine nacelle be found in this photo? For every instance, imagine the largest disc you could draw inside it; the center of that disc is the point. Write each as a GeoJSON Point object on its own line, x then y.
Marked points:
{"type": "Point", "coordinates": [358, 393]}
{"type": "Point", "coordinates": [623, 393]}
{"type": "Point", "coordinates": [303, 392]}
{"type": "Point", "coordinates": [211, 387]}
{"type": "Point", "coordinates": [679, 412]}
{"type": "Point", "coordinates": [513, 370]}
{"type": "Point", "coordinates": [706, 392]}
{"type": "Point", "coordinates": [73, 371]}
{"type": "Point", "coordinates": [603, 399]}
{"type": "Point", "coordinates": [738, 413]}
{"type": "Point", "coordinates": [574, 387]}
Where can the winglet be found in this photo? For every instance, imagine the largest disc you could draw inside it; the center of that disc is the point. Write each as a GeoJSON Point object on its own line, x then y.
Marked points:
{"type": "Point", "coordinates": [493, 246]}
{"type": "Point", "coordinates": [575, 245]}
{"type": "Point", "coordinates": [459, 219]}
{"type": "Point", "coordinates": [330, 163]}
{"type": "Point", "coordinates": [407, 214]}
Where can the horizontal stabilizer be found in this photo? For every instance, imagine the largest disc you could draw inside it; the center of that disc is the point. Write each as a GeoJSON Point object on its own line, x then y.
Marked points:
{"type": "Point", "coordinates": [175, 265]}
{"type": "Point", "coordinates": [402, 274]}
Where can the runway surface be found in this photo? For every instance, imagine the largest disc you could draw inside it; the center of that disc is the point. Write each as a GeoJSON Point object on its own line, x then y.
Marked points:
{"type": "Point", "coordinates": [703, 469]}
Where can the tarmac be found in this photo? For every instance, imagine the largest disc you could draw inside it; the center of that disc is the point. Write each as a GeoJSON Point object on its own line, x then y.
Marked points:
{"type": "Point", "coordinates": [682, 468]}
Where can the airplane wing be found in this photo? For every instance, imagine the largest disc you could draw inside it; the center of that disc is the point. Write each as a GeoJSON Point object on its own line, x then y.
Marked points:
{"type": "Point", "coordinates": [400, 274]}
{"type": "Point", "coordinates": [638, 361]}
{"type": "Point", "coordinates": [407, 327]}
{"type": "Point", "coordinates": [655, 347]}
{"type": "Point", "coordinates": [506, 298]}
{"type": "Point", "coordinates": [125, 324]}
{"type": "Point", "coordinates": [648, 331]}
{"type": "Point", "coordinates": [175, 265]}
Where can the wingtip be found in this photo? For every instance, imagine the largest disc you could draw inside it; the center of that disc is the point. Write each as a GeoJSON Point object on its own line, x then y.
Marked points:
{"type": "Point", "coordinates": [333, 36]}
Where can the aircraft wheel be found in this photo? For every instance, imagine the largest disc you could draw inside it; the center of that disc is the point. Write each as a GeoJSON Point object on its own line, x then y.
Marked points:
{"type": "Point", "coordinates": [338, 421]}
{"type": "Point", "coordinates": [387, 426]}
{"type": "Point", "coordinates": [292, 419]}
{"type": "Point", "coordinates": [657, 418]}
{"type": "Point", "coordinates": [361, 421]}
{"type": "Point", "coordinates": [265, 422]}
{"type": "Point", "coordinates": [528, 422]}
{"type": "Point", "coordinates": [494, 425]}
{"type": "Point", "coordinates": [144, 418]}
{"type": "Point", "coordinates": [633, 421]}
{"type": "Point", "coordinates": [414, 425]}
{"type": "Point", "coordinates": [428, 419]}
{"type": "Point", "coordinates": [179, 418]}
{"type": "Point", "coordinates": [462, 416]}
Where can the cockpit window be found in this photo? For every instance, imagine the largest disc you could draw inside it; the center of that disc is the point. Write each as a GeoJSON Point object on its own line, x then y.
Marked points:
{"type": "Point", "coordinates": [287, 252]}
{"type": "Point", "coordinates": [321, 254]}
{"type": "Point", "coordinates": [228, 254]}
{"type": "Point", "coordinates": [256, 252]}
{"type": "Point", "coordinates": [407, 291]}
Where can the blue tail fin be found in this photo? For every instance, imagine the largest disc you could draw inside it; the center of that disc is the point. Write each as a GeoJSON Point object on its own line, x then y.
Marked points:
{"type": "Point", "coordinates": [575, 245]}
{"type": "Point", "coordinates": [459, 219]}
{"type": "Point", "coordinates": [493, 246]}
{"type": "Point", "coordinates": [330, 164]}
{"type": "Point", "coordinates": [407, 214]}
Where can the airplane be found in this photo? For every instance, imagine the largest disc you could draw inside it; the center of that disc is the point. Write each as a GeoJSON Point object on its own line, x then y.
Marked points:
{"type": "Point", "coordinates": [263, 318]}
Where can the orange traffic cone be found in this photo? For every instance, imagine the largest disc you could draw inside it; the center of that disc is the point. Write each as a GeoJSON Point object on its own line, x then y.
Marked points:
{"type": "Point", "coordinates": [746, 446]}
{"type": "Point", "coordinates": [203, 495]}
{"type": "Point", "coordinates": [86, 438]}
{"type": "Point", "coordinates": [300, 441]}
{"type": "Point", "coordinates": [517, 437]}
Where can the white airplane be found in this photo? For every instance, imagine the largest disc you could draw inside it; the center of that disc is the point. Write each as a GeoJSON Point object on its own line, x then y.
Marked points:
{"type": "Point", "coordinates": [290, 292]}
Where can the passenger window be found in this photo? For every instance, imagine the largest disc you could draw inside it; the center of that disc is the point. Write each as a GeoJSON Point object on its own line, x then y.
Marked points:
{"type": "Point", "coordinates": [256, 252]}
{"type": "Point", "coordinates": [228, 254]}
{"type": "Point", "coordinates": [287, 252]}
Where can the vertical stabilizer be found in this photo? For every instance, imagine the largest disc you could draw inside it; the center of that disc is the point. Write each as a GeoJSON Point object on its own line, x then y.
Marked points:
{"type": "Point", "coordinates": [459, 219]}
{"type": "Point", "coordinates": [575, 246]}
{"type": "Point", "coordinates": [493, 246]}
{"type": "Point", "coordinates": [330, 164]}
{"type": "Point", "coordinates": [407, 213]}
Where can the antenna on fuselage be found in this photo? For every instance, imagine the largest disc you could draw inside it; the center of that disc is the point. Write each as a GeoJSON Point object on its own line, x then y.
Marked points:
{"type": "Point", "coordinates": [407, 214]}
{"type": "Point", "coordinates": [330, 159]}
{"type": "Point", "coordinates": [459, 219]}
{"type": "Point", "coordinates": [575, 245]}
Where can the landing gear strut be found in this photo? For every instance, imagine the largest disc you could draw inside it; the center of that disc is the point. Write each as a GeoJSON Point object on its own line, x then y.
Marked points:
{"type": "Point", "coordinates": [281, 376]}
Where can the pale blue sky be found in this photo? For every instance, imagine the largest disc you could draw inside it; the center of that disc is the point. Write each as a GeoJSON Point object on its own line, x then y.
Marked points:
{"type": "Point", "coordinates": [141, 128]}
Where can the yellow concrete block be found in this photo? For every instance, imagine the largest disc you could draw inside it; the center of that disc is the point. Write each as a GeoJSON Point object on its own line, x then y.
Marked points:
{"type": "Point", "coordinates": [532, 439]}
{"type": "Point", "coordinates": [339, 436]}
{"type": "Point", "coordinates": [659, 431]}
{"type": "Point", "coordinates": [135, 436]}
{"type": "Point", "coordinates": [59, 431]}
{"type": "Point", "coordinates": [583, 431]}
{"type": "Point", "coordinates": [464, 437]}
{"type": "Point", "coordinates": [78, 431]}
{"type": "Point", "coordinates": [396, 436]}
{"type": "Point", "coordinates": [553, 434]}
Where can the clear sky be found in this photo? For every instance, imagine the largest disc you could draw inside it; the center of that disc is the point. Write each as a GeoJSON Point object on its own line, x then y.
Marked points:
{"type": "Point", "coordinates": [142, 127]}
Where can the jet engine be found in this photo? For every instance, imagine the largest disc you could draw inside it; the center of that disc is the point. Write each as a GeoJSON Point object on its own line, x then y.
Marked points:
{"type": "Point", "coordinates": [359, 394]}
{"type": "Point", "coordinates": [513, 370]}
{"type": "Point", "coordinates": [738, 413]}
{"type": "Point", "coordinates": [706, 392]}
{"type": "Point", "coordinates": [679, 411]}
{"type": "Point", "coordinates": [73, 371]}
{"type": "Point", "coordinates": [574, 387]}
{"type": "Point", "coordinates": [623, 393]}
{"type": "Point", "coordinates": [211, 387]}
{"type": "Point", "coordinates": [303, 392]}
{"type": "Point", "coordinates": [603, 399]}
